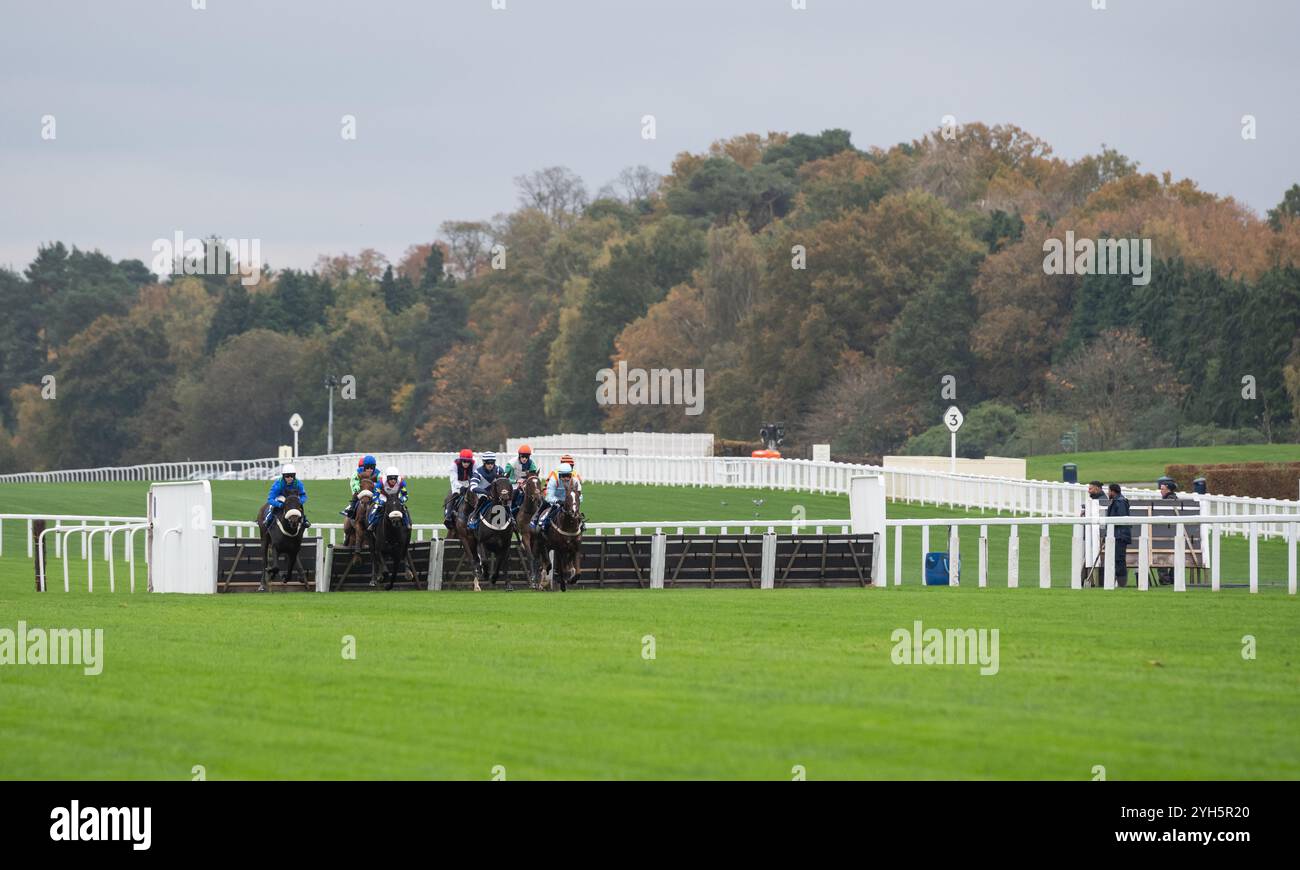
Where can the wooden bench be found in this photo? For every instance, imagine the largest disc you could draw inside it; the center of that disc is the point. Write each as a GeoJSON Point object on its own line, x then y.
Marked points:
{"type": "Point", "coordinates": [1162, 538]}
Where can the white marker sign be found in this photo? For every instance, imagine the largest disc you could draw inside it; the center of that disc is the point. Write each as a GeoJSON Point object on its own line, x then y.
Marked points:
{"type": "Point", "coordinates": [953, 419]}
{"type": "Point", "coordinates": [295, 423]}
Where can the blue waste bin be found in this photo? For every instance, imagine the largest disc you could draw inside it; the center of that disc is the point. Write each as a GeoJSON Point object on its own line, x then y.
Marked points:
{"type": "Point", "coordinates": [936, 569]}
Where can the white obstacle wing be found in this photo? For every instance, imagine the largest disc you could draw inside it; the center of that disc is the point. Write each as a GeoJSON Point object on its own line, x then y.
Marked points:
{"type": "Point", "coordinates": [867, 514]}
{"type": "Point", "coordinates": [181, 554]}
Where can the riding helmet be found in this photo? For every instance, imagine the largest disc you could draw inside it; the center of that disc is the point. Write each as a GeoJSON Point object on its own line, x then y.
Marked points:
{"type": "Point", "coordinates": [467, 454]}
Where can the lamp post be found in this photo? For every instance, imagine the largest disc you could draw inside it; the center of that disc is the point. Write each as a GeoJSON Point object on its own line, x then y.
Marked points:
{"type": "Point", "coordinates": [330, 383]}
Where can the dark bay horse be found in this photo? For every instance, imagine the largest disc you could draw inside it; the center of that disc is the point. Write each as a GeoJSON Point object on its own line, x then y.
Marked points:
{"type": "Point", "coordinates": [354, 530]}
{"type": "Point", "coordinates": [390, 540]}
{"type": "Point", "coordinates": [494, 535]}
{"type": "Point", "coordinates": [563, 537]}
{"type": "Point", "coordinates": [461, 530]}
{"type": "Point", "coordinates": [282, 538]}
{"type": "Point", "coordinates": [529, 541]}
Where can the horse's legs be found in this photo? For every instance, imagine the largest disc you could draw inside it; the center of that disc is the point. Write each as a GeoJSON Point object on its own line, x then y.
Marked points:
{"type": "Point", "coordinates": [503, 564]}
{"type": "Point", "coordinates": [470, 546]}
{"type": "Point", "coordinates": [376, 554]}
{"type": "Point", "coordinates": [530, 561]}
{"type": "Point", "coordinates": [266, 563]}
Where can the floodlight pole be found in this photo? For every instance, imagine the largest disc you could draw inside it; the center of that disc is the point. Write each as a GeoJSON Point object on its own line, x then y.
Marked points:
{"type": "Point", "coordinates": [330, 382]}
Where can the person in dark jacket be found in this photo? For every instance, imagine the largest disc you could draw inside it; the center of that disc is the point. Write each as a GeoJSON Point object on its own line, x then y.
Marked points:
{"type": "Point", "coordinates": [1168, 489]}
{"type": "Point", "coordinates": [1118, 507]}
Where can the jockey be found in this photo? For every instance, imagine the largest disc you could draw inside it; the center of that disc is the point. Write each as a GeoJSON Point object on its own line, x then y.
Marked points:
{"type": "Point", "coordinates": [392, 487]}
{"type": "Point", "coordinates": [482, 483]}
{"type": "Point", "coordinates": [517, 472]}
{"type": "Point", "coordinates": [566, 459]}
{"type": "Point", "coordinates": [555, 486]}
{"type": "Point", "coordinates": [366, 463]}
{"type": "Point", "coordinates": [462, 475]}
{"type": "Point", "coordinates": [287, 482]}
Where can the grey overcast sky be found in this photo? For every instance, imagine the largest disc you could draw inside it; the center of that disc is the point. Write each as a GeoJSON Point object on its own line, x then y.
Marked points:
{"type": "Point", "coordinates": [226, 120]}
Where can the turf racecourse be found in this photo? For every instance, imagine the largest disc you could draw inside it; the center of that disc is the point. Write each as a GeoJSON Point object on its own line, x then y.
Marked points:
{"type": "Point", "coordinates": [743, 684]}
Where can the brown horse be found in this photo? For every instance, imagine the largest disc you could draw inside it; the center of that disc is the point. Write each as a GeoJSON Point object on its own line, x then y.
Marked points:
{"type": "Point", "coordinates": [462, 533]}
{"type": "Point", "coordinates": [283, 537]}
{"type": "Point", "coordinates": [563, 537]}
{"type": "Point", "coordinates": [354, 530]}
{"type": "Point", "coordinates": [493, 537]}
{"type": "Point", "coordinates": [529, 542]}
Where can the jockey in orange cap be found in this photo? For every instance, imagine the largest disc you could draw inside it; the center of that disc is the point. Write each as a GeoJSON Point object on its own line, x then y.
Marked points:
{"type": "Point", "coordinates": [516, 472]}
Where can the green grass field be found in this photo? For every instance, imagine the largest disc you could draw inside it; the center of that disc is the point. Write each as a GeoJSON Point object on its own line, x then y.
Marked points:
{"type": "Point", "coordinates": [1144, 466]}
{"type": "Point", "coordinates": [744, 684]}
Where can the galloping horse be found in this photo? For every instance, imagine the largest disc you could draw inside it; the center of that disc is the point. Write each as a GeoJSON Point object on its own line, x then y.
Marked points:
{"type": "Point", "coordinates": [493, 535]}
{"type": "Point", "coordinates": [354, 530]}
{"type": "Point", "coordinates": [529, 541]}
{"type": "Point", "coordinates": [563, 536]}
{"type": "Point", "coordinates": [390, 541]}
{"type": "Point", "coordinates": [283, 537]}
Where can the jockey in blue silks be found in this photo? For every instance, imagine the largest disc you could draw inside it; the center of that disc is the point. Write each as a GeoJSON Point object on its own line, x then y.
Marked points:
{"type": "Point", "coordinates": [481, 484]}
{"type": "Point", "coordinates": [287, 482]}
{"type": "Point", "coordinates": [391, 488]}
{"type": "Point", "coordinates": [556, 485]}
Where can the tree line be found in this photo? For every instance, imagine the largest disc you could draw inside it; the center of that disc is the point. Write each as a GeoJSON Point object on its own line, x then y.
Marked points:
{"type": "Point", "coordinates": [831, 287]}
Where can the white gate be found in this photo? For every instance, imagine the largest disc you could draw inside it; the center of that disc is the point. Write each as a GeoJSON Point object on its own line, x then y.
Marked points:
{"type": "Point", "coordinates": [182, 557]}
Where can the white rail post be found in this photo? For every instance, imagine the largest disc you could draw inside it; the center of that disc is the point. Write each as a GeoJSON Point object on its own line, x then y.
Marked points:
{"type": "Point", "coordinates": [1254, 557]}
{"type": "Point", "coordinates": [1290, 558]}
{"type": "Point", "coordinates": [767, 563]}
{"type": "Point", "coordinates": [1076, 556]}
{"type": "Point", "coordinates": [984, 556]}
{"type": "Point", "coordinates": [1109, 558]}
{"type": "Point", "coordinates": [954, 555]}
{"type": "Point", "coordinates": [1144, 557]}
{"type": "Point", "coordinates": [925, 547]}
{"type": "Point", "coordinates": [1045, 559]}
{"type": "Point", "coordinates": [435, 565]}
{"type": "Point", "coordinates": [1180, 559]}
{"type": "Point", "coordinates": [1013, 558]}
{"type": "Point", "coordinates": [1215, 576]}
{"type": "Point", "coordinates": [898, 555]}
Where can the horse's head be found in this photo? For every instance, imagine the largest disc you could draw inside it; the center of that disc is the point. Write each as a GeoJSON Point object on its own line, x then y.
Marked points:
{"type": "Point", "coordinates": [532, 487]}
{"type": "Point", "coordinates": [572, 500]}
{"type": "Point", "coordinates": [291, 513]}
{"type": "Point", "coordinates": [500, 491]}
{"type": "Point", "coordinates": [396, 515]}
{"type": "Point", "coordinates": [366, 494]}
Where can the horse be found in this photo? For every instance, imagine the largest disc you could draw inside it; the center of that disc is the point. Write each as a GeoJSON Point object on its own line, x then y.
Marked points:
{"type": "Point", "coordinates": [354, 530]}
{"type": "Point", "coordinates": [563, 536]}
{"type": "Point", "coordinates": [494, 541]}
{"type": "Point", "coordinates": [531, 486]}
{"type": "Point", "coordinates": [283, 537]}
{"type": "Point", "coordinates": [460, 528]}
{"type": "Point", "coordinates": [389, 542]}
